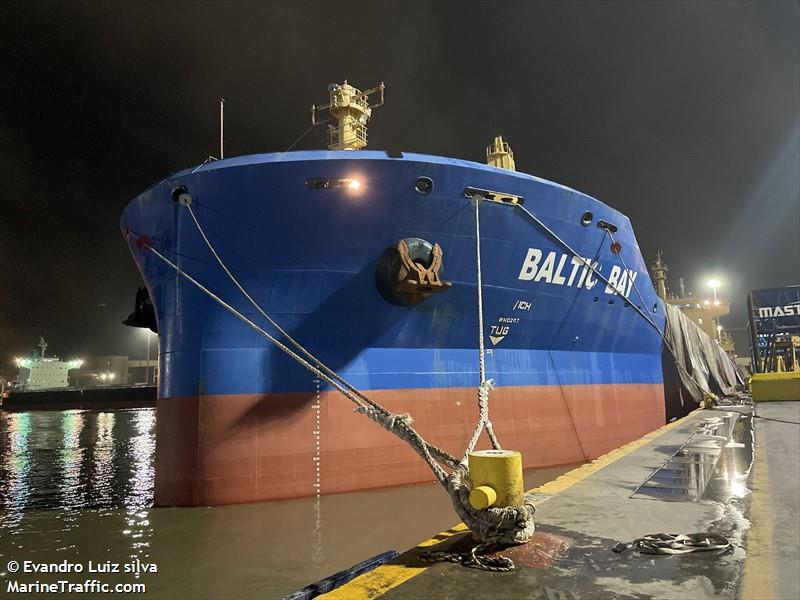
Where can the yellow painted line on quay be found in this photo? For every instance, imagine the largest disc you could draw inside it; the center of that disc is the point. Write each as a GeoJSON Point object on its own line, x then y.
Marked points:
{"type": "Point", "coordinates": [386, 577]}
{"type": "Point", "coordinates": [757, 579]}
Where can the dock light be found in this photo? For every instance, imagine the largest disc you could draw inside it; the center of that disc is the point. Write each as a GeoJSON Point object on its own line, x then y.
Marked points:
{"type": "Point", "coordinates": [706, 302]}
{"type": "Point", "coordinates": [714, 284]}
{"type": "Point", "coordinates": [354, 184]}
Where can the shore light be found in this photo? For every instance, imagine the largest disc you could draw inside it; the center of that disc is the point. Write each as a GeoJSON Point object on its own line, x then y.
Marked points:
{"type": "Point", "coordinates": [714, 284]}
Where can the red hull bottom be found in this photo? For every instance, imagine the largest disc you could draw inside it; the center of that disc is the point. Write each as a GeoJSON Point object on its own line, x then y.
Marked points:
{"type": "Point", "coordinates": [231, 449]}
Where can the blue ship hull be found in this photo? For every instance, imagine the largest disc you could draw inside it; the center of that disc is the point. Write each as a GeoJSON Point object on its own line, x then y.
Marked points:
{"type": "Point", "coordinates": [309, 257]}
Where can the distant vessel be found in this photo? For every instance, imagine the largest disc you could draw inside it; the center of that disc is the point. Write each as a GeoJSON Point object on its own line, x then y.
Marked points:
{"type": "Point", "coordinates": [705, 313]}
{"type": "Point", "coordinates": [369, 260]}
{"type": "Point", "coordinates": [44, 373]}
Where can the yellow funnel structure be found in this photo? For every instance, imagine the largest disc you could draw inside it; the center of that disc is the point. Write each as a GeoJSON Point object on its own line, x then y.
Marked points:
{"type": "Point", "coordinates": [496, 477]}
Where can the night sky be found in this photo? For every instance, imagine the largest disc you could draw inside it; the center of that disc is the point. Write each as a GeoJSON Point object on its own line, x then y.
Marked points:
{"type": "Point", "coordinates": [682, 115]}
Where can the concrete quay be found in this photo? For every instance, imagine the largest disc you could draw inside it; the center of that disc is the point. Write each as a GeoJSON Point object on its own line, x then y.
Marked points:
{"type": "Point", "coordinates": [732, 471]}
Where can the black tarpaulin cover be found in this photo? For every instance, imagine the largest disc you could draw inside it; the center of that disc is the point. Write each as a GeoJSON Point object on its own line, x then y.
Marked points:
{"type": "Point", "coordinates": [705, 369]}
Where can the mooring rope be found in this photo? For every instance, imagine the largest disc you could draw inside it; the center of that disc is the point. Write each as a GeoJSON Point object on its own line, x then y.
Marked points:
{"type": "Point", "coordinates": [587, 264]}
{"type": "Point", "coordinates": [400, 425]}
{"type": "Point", "coordinates": [664, 338]}
{"type": "Point", "coordinates": [298, 346]}
{"type": "Point", "coordinates": [304, 134]}
{"type": "Point", "coordinates": [491, 526]}
{"type": "Point", "coordinates": [484, 386]}
{"type": "Point", "coordinates": [509, 525]}
{"type": "Point", "coordinates": [605, 280]}
{"type": "Point", "coordinates": [477, 199]}
{"type": "Point", "coordinates": [635, 287]}
{"type": "Point", "coordinates": [676, 543]}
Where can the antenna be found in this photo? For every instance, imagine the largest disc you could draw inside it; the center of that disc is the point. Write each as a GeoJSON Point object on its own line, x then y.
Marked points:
{"type": "Point", "coordinates": [222, 128]}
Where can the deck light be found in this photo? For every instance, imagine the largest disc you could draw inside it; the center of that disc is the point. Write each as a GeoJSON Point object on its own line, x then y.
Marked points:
{"type": "Point", "coordinates": [354, 184]}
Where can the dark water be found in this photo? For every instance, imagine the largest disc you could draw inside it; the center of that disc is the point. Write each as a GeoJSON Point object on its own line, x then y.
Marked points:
{"type": "Point", "coordinates": [77, 486]}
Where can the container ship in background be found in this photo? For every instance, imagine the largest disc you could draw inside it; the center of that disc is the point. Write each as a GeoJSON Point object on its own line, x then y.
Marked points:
{"type": "Point", "coordinates": [368, 259]}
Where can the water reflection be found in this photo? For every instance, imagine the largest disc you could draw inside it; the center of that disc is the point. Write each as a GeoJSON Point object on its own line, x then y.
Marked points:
{"type": "Point", "coordinates": [70, 483]}
{"type": "Point", "coordinates": [16, 463]}
{"type": "Point", "coordinates": [76, 459]}
{"type": "Point", "coordinates": [141, 450]}
{"type": "Point", "coordinates": [103, 452]}
{"type": "Point", "coordinates": [713, 464]}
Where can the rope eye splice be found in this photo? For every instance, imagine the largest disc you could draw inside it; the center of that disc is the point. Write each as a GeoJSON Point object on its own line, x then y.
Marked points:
{"type": "Point", "coordinates": [503, 516]}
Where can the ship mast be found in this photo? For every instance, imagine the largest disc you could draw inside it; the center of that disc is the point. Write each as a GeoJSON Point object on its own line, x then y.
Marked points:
{"type": "Point", "coordinates": [350, 111]}
{"type": "Point", "coordinates": [500, 155]}
{"type": "Point", "coordinates": [43, 345]}
{"type": "Point", "coordinates": [660, 276]}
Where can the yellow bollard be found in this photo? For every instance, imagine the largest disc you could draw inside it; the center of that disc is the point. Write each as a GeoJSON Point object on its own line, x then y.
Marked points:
{"type": "Point", "coordinates": [482, 497]}
{"type": "Point", "coordinates": [496, 477]}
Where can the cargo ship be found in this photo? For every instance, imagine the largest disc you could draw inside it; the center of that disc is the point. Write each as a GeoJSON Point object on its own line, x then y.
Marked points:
{"type": "Point", "coordinates": [368, 259]}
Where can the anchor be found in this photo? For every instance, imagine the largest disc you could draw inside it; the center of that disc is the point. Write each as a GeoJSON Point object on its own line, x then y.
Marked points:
{"type": "Point", "coordinates": [415, 278]}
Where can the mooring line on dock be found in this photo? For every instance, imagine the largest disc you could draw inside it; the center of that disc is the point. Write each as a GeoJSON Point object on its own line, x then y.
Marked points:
{"type": "Point", "coordinates": [389, 576]}
{"type": "Point", "coordinates": [503, 523]}
{"type": "Point", "coordinates": [506, 524]}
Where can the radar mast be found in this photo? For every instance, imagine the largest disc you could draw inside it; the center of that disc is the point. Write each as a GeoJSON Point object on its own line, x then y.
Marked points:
{"type": "Point", "coordinates": [500, 155]}
{"type": "Point", "coordinates": [350, 111]}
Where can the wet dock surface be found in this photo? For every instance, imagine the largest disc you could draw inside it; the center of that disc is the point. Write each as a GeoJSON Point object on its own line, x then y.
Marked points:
{"type": "Point", "coordinates": [772, 568]}
{"type": "Point", "coordinates": [693, 476]}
